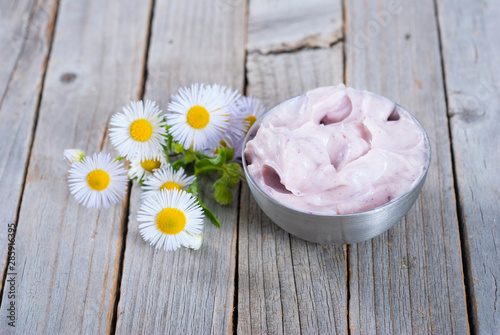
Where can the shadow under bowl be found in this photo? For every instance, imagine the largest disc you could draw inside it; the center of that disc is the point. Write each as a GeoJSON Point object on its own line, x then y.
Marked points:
{"type": "Point", "coordinates": [328, 229]}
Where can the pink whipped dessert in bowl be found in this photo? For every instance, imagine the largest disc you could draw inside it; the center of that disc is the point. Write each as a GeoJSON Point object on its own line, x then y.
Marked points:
{"type": "Point", "coordinates": [336, 165]}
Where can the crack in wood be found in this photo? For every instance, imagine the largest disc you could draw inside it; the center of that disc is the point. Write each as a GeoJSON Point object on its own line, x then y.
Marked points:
{"type": "Point", "coordinates": [305, 45]}
{"type": "Point", "coordinates": [122, 242]}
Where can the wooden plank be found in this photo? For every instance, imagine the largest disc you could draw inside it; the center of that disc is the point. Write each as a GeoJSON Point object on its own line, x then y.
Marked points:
{"type": "Point", "coordinates": [471, 53]}
{"type": "Point", "coordinates": [287, 285]}
{"type": "Point", "coordinates": [67, 254]}
{"type": "Point", "coordinates": [410, 278]}
{"type": "Point", "coordinates": [281, 25]}
{"type": "Point", "coordinates": [25, 34]}
{"type": "Point", "coordinates": [186, 291]}
{"type": "Point", "coordinates": [15, 29]}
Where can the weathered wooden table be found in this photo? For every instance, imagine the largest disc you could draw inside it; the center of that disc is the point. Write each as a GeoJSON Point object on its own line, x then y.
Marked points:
{"type": "Point", "coordinates": [66, 66]}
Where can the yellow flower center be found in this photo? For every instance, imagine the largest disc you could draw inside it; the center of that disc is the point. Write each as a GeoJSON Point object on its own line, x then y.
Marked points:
{"type": "Point", "coordinates": [150, 164]}
{"type": "Point", "coordinates": [170, 185]}
{"type": "Point", "coordinates": [171, 221]}
{"type": "Point", "coordinates": [198, 117]}
{"type": "Point", "coordinates": [251, 120]}
{"type": "Point", "coordinates": [141, 130]}
{"type": "Point", "coordinates": [98, 180]}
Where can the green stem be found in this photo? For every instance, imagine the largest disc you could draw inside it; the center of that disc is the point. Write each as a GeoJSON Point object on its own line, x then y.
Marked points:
{"type": "Point", "coordinates": [209, 213]}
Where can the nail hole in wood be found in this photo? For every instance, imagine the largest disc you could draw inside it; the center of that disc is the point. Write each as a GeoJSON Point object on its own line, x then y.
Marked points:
{"type": "Point", "coordinates": [68, 77]}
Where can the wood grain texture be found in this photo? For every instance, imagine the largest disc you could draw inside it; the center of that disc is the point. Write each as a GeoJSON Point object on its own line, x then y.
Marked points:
{"type": "Point", "coordinates": [287, 285]}
{"type": "Point", "coordinates": [67, 253]}
{"type": "Point", "coordinates": [186, 291]}
{"type": "Point", "coordinates": [284, 25]}
{"type": "Point", "coordinates": [471, 54]}
{"type": "Point", "coordinates": [409, 279]}
{"type": "Point", "coordinates": [25, 34]}
{"type": "Point", "coordinates": [16, 27]}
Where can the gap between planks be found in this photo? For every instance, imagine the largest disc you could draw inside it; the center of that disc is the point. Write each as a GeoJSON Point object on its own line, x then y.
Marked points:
{"type": "Point", "coordinates": [462, 228]}
{"type": "Point", "coordinates": [122, 241]}
{"type": "Point", "coordinates": [238, 214]}
{"type": "Point", "coordinates": [235, 286]}
{"type": "Point", "coordinates": [347, 247]}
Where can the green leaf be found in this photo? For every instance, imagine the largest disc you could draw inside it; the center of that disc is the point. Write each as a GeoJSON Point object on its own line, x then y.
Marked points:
{"type": "Point", "coordinates": [178, 148]}
{"type": "Point", "coordinates": [165, 150]}
{"type": "Point", "coordinates": [222, 192]}
{"type": "Point", "coordinates": [190, 156]}
{"type": "Point", "coordinates": [181, 162]}
{"type": "Point", "coordinates": [233, 179]}
{"type": "Point", "coordinates": [203, 163]}
{"type": "Point", "coordinates": [170, 141]}
{"type": "Point", "coordinates": [200, 155]}
{"type": "Point", "coordinates": [219, 159]}
{"type": "Point", "coordinates": [229, 154]}
{"type": "Point", "coordinates": [209, 213]}
{"type": "Point", "coordinates": [234, 166]}
{"type": "Point", "coordinates": [204, 166]}
{"type": "Point", "coordinates": [235, 171]}
{"type": "Point", "coordinates": [223, 196]}
{"type": "Point", "coordinates": [193, 189]}
{"type": "Point", "coordinates": [205, 170]}
{"type": "Point", "coordinates": [223, 181]}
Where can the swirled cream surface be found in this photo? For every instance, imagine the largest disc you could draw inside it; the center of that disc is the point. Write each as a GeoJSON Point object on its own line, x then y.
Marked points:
{"type": "Point", "coordinates": [337, 150]}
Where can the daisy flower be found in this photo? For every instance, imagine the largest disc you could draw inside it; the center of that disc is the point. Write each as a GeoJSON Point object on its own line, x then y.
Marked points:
{"type": "Point", "coordinates": [73, 155]}
{"type": "Point", "coordinates": [234, 133]}
{"type": "Point", "coordinates": [97, 181]}
{"type": "Point", "coordinates": [248, 110]}
{"type": "Point", "coordinates": [195, 241]}
{"type": "Point", "coordinates": [166, 179]}
{"type": "Point", "coordinates": [236, 129]}
{"type": "Point", "coordinates": [144, 168]}
{"type": "Point", "coordinates": [199, 115]}
{"type": "Point", "coordinates": [169, 219]}
{"type": "Point", "coordinates": [138, 131]}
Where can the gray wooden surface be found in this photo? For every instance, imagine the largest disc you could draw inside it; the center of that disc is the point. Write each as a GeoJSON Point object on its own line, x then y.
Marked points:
{"type": "Point", "coordinates": [66, 66]}
{"type": "Point", "coordinates": [26, 38]}
{"type": "Point", "coordinates": [471, 54]}
{"type": "Point", "coordinates": [67, 255]}
{"type": "Point", "coordinates": [409, 279]}
{"type": "Point", "coordinates": [284, 25]}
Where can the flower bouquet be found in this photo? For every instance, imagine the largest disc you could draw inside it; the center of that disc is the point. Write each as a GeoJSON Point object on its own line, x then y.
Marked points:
{"type": "Point", "coordinates": [202, 132]}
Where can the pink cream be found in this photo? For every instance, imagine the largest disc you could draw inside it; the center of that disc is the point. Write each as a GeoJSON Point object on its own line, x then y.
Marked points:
{"type": "Point", "coordinates": [337, 150]}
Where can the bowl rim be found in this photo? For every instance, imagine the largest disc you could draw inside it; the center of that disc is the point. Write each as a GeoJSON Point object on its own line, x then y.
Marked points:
{"type": "Point", "coordinates": [416, 183]}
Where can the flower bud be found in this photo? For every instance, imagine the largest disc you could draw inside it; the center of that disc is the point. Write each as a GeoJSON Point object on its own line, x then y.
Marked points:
{"type": "Point", "coordinates": [195, 241]}
{"type": "Point", "coordinates": [73, 155]}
